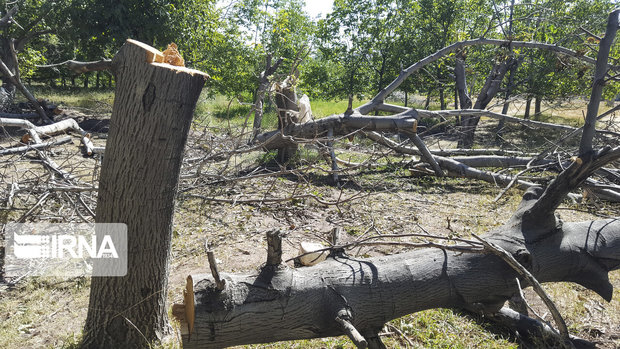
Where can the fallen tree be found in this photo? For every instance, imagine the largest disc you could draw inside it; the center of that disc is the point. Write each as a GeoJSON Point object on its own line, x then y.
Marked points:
{"type": "Point", "coordinates": [356, 297]}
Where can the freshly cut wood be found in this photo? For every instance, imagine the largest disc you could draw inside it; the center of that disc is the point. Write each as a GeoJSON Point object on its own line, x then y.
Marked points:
{"type": "Point", "coordinates": [311, 253]}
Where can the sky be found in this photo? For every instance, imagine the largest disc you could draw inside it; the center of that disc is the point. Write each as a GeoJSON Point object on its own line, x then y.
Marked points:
{"type": "Point", "coordinates": [319, 7]}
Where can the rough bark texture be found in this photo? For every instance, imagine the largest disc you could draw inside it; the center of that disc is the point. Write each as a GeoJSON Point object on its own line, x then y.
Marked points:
{"type": "Point", "coordinates": [283, 303]}
{"type": "Point", "coordinates": [488, 92]}
{"type": "Point", "coordinates": [151, 116]}
{"type": "Point", "coordinates": [286, 103]}
{"type": "Point", "coordinates": [599, 82]}
{"type": "Point", "coordinates": [263, 86]}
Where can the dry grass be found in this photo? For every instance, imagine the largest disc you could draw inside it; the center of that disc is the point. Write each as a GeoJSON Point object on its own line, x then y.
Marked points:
{"type": "Point", "coordinates": [50, 313]}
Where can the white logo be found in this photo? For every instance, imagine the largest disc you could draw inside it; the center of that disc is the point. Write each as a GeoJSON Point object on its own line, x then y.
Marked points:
{"type": "Point", "coordinates": [63, 246]}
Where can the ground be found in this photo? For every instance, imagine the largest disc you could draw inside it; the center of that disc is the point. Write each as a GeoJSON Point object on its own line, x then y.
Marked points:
{"type": "Point", "coordinates": [234, 215]}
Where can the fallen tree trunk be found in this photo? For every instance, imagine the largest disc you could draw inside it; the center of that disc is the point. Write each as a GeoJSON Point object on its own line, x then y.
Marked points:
{"type": "Point", "coordinates": [280, 303]}
{"type": "Point", "coordinates": [35, 133]}
{"type": "Point", "coordinates": [342, 125]}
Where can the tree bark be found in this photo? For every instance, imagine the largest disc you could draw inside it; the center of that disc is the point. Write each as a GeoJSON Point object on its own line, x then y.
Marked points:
{"type": "Point", "coordinates": [488, 92]}
{"type": "Point", "coordinates": [283, 304]}
{"type": "Point", "coordinates": [263, 86]}
{"type": "Point", "coordinates": [286, 104]}
{"type": "Point", "coordinates": [537, 106]}
{"type": "Point", "coordinates": [599, 82]}
{"type": "Point", "coordinates": [461, 83]}
{"type": "Point", "coordinates": [151, 116]}
{"type": "Point", "coordinates": [528, 106]}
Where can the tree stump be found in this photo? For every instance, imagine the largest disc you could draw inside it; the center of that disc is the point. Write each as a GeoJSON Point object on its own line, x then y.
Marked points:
{"type": "Point", "coordinates": [151, 117]}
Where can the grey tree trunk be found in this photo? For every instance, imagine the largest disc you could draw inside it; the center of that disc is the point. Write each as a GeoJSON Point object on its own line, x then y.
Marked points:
{"type": "Point", "coordinates": [488, 92]}
{"type": "Point", "coordinates": [286, 104]}
{"type": "Point", "coordinates": [599, 82]}
{"type": "Point", "coordinates": [537, 106]}
{"type": "Point", "coordinates": [528, 106]}
{"type": "Point", "coordinates": [151, 116]}
{"type": "Point", "coordinates": [263, 86]}
{"type": "Point", "coordinates": [280, 303]}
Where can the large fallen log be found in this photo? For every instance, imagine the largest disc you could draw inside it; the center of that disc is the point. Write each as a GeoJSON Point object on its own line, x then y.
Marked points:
{"type": "Point", "coordinates": [279, 303]}
{"type": "Point", "coordinates": [340, 124]}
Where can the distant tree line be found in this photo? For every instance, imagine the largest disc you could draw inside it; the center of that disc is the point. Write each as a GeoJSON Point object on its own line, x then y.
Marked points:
{"type": "Point", "coordinates": [355, 51]}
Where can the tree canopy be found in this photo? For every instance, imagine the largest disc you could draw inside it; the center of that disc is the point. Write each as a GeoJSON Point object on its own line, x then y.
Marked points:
{"type": "Point", "coordinates": [356, 50]}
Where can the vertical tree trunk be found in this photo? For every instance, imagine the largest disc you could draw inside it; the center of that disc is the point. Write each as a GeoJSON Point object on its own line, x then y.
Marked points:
{"type": "Point", "coordinates": [488, 92]}
{"type": "Point", "coordinates": [86, 77]}
{"type": "Point", "coordinates": [286, 102]}
{"type": "Point", "coordinates": [151, 116]}
{"type": "Point", "coordinates": [528, 105]}
{"type": "Point", "coordinates": [599, 82]}
{"type": "Point", "coordinates": [406, 98]}
{"type": "Point", "coordinates": [259, 94]}
{"type": "Point", "coordinates": [428, 98]}
{"type": "Point", "coordinates": [442, 98]}
{"type": "Point", "coordinates": [509, 88]}
{"type": "Point", "coordinates": [537, 106]}
{"type": "Point", "coordinates": [97, 80]}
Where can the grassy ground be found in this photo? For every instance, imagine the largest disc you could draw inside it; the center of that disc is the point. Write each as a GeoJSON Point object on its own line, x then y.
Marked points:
{"type": "Point", "coordinates": [44, 313]}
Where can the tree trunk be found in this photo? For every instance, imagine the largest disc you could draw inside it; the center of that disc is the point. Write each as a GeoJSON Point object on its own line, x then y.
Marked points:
{"type": "Point", "coordinates": [86, 76]}
{"type": "Point", "coordinates": [599, 82]}
{"type": "Point", "coordinates": [528, 106]}
{"type": "Point", "coordinates": [428, 98]}
{"type": "Point", "coordinates": [259, 95]}
{"type": "Point", "coordinates": [283, 304]}
{"type": "Point", "coordinates": [9, 60]}
{"type": "Point", "coordinates": [537, 106]}
{"type": "Point", "coordinates": [97, 79]}
{"type": "Point", "coordinates": [509, 88]}
{"type": "Point", "coordinates": [488, 92]}
{"type": "Point", "coordinates": [461, 83]}
{"type": "Point", "coordinates": [151, 116]}
{"type": "Point", "coordinates": [442, 98]}
{"type": "Point", "coordinates": [286, 104]}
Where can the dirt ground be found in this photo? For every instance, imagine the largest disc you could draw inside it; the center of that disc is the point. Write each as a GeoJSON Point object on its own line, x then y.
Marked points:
{"type": "Point", "coordinates": [234, 215]}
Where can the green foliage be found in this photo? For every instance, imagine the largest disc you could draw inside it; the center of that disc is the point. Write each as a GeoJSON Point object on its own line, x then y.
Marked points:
{"type": "Point", "coordinates": [355, 51]}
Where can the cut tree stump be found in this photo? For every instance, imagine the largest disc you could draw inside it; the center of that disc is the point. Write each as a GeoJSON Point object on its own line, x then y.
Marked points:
{"type": "Point", "coordinates": [153, 107]}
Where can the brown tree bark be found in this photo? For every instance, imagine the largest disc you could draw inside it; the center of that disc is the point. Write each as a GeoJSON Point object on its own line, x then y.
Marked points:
{"type": "Point", "coordinates": [151, 116]}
